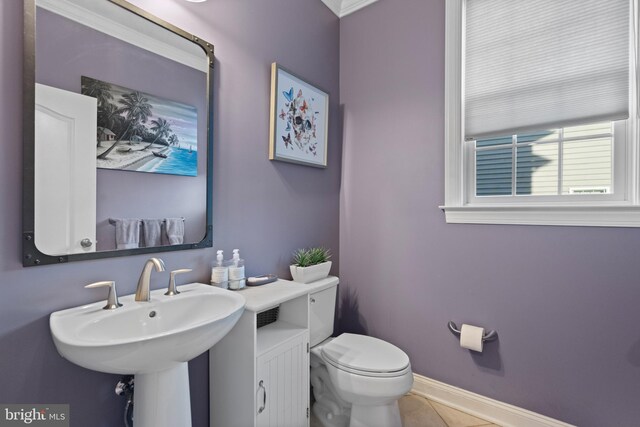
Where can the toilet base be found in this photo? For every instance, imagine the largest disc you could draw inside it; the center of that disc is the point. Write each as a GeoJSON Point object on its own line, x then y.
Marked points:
{"type": "Point", "coordinates": [329, 408]}
{"type": "Point", "coordinates": [376, 416]}
{"type": "Point", "coordinates": [328, 417]}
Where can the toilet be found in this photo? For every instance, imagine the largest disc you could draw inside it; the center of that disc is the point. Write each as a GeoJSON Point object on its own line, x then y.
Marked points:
{"type": "Point", "coordinates": [356, 380]}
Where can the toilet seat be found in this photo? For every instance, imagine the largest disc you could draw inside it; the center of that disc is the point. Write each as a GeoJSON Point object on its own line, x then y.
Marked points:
{"type": "Point", "coordinates": [366, 356]}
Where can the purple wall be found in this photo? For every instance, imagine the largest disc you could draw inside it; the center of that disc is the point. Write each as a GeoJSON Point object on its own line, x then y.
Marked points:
{"type": "Point", "coordinates": [565, 301]}
{"type": "Point", "coordinates": [66, 51]}
{"type": "Point", "coordinates": [267, 209]}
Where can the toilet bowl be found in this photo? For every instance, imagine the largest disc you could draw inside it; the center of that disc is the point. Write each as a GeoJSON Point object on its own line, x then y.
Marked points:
{"type": "Point", "coordinates": [357, 381]}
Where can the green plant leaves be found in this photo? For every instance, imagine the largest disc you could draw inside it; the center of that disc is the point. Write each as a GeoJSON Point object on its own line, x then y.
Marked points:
{"type": "Point", "coordinates": [311, 256]}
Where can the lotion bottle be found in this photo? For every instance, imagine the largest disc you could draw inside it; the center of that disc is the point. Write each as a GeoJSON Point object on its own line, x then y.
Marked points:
{"type": "Point", "coordinates": [220, 273]}
{"type": "Point", "coordinates": [236, 271]}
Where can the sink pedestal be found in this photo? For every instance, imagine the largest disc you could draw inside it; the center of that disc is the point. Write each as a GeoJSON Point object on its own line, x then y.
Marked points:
{"type": "Point", "coordinates": [161, 399]}
{"type": "Point", "coordinates": [152, 340]}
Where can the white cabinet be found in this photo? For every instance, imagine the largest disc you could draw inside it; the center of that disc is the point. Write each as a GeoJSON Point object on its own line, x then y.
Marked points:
{"type": "Point", "coordinates": [259, 376]}
{"type": "Point", "coordinates": [282, 392]}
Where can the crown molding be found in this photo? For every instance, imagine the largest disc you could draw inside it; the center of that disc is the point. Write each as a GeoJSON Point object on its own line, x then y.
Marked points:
{"type": "Point", "coordinates": [184, 52]}
{"type": "Point", "coordinates": [343, 8]}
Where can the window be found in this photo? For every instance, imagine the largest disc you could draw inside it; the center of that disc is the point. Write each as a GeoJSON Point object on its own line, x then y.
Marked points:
{"type": "Point", "coordinates": [549, 164]}
{"type": "Point", "coordinates": [540, 105]}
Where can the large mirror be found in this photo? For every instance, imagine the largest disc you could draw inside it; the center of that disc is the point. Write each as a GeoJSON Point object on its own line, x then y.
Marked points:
{"type": "Point", "coordinates": [118, 133]}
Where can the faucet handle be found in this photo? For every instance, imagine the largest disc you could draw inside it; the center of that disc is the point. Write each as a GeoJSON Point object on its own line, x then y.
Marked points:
{"type": "Point", "coordinates": [173, 290]}
{"type": "Point", "coordinates": [112, 298]}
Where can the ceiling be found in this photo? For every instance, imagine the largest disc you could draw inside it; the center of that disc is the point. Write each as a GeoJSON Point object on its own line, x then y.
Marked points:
{"type": "Point", "coordinates": [345, 7]}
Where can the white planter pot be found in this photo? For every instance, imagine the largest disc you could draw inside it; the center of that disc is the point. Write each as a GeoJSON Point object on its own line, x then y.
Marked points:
{"type": "Point", "coordinates": [311, 273]}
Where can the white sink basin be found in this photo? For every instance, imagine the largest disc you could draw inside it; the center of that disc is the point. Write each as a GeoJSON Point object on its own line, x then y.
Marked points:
{"type": "Point", "coordinates": [144, 337]}
{"type": "Point", "coordinates": [152, 340]}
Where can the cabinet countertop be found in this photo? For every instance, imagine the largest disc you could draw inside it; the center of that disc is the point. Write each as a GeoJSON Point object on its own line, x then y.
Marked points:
{"type": "Point", "coordinates": [260, 298]}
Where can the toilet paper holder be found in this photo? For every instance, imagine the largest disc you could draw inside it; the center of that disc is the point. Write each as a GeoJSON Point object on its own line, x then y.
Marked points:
{"type": "Point", "coordinates": [488, 336]}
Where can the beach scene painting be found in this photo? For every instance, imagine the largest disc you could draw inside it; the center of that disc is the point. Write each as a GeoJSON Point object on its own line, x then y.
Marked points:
{"type": "Point", "coordinates": [141, 132]}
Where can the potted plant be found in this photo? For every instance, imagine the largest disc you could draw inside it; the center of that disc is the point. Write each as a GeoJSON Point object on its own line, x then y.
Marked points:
{"type": "Point", "coordinates": [310, 264]}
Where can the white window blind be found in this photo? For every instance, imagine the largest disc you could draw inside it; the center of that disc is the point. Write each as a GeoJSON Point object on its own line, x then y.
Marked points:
{"type": "Point", "coordinates": [540, 64]}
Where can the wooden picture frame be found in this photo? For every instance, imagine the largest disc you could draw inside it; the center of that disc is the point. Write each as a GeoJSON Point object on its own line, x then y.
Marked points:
{"type": "Point", "coordinates": [299, 120]}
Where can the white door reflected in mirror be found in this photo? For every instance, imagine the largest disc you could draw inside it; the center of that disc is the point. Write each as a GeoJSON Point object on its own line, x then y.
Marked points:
{"type": "Point", "coordinates": [65, 172]}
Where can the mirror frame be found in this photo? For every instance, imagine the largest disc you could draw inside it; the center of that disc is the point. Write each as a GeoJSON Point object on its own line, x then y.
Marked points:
{"type": "Point", "coordinates": [31, 256]}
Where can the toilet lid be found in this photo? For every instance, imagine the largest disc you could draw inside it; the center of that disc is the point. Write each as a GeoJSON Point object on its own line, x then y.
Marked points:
{"type": "Point", "coordinates": [365, 354]}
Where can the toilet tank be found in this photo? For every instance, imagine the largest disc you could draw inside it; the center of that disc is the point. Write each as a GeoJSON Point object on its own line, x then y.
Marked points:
{"type": "Point", "coordinates": [322, 307]}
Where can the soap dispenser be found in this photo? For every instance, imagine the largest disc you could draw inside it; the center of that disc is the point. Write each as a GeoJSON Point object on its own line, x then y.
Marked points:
{"type": "Point", "coordinates": [236, 271]}
{"type": "Point", "coordinates": [220, 273]}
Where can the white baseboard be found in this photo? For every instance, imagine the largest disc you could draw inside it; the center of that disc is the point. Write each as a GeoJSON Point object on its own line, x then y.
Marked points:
{"type": "Point", "coordinates": [479, 406]}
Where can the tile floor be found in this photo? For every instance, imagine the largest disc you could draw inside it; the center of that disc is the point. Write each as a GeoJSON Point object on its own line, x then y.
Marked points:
{"type": "Point", "coordinates": [417, 411]}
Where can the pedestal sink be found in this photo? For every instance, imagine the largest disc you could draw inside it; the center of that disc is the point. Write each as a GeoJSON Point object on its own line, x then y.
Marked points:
{"type": "Point", "coordinates": [151, 340]}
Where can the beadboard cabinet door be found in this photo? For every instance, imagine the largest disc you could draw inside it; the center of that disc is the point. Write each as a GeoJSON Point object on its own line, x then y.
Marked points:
{"type": "Point", "coordinates": [282, 384]}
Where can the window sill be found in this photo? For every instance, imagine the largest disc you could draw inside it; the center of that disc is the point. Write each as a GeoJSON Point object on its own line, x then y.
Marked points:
{"type": "Point", "coordinates": [567, 215]}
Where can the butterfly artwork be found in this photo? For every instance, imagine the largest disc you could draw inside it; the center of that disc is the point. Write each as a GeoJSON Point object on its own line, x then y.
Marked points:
{"type": "Point", "coordinates": [288, 94]}
{"type": "Point", "coordinates": [298, 121]}
{"type": "Point", "coordinates": [287, 140]}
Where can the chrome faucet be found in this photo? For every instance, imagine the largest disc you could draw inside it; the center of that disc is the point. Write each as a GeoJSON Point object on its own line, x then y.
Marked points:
{"type": "Point", "coordinates": [142, 292]}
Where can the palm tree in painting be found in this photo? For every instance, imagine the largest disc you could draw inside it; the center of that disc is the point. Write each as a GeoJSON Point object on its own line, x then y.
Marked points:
{"type": "Point", "coordinates": [173, 139]}
{"type": "Point", "coordinates": [136, 108]}
{"type": "Point", "coordinates": [138, 130]}
{"type": "Point", "coordinates": [102, 92]}
{"type": "Point", "coordinates": [161, 127]}
{"type": "Point", "coordinates": [108, 116]}
{"type": "Point", "coordinates": [97, 89]}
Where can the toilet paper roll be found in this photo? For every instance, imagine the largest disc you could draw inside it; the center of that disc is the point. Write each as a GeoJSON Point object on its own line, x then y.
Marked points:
{"type": "Point", "coordinates": [471, 337]}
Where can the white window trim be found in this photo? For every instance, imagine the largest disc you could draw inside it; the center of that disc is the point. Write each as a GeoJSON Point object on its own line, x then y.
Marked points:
{"type": "Point", "coordinates": [624, 213]}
